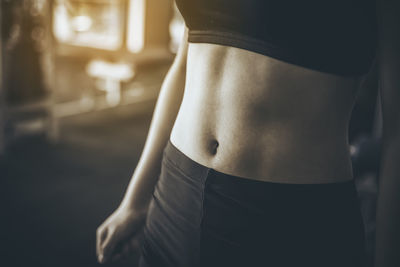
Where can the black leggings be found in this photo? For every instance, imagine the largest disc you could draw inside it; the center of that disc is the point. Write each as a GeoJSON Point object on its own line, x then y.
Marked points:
{"type": "Point", "coordinates": [201, 217]}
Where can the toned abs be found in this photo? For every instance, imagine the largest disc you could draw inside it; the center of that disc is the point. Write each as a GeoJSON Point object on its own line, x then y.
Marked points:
{"type": "Point", "coordinates": [253, 116]}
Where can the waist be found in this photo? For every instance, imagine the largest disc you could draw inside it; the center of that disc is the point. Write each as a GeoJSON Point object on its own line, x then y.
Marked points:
{"type": "Point", "coordinates": [252, 116]}
{"type": "Point", "coordinates": [217, 219]}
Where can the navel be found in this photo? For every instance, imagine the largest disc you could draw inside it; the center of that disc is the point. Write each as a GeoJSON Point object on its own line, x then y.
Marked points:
{"type": "Point", "coordinates": [214, 146]}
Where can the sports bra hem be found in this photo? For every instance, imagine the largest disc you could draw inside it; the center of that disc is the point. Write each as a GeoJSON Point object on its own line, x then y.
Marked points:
{"type": "Point", "coordinates": [274, 51]}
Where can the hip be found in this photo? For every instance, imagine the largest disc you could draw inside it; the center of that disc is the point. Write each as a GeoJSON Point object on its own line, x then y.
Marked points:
{"type": "Point", "coordinates": [202, 217]}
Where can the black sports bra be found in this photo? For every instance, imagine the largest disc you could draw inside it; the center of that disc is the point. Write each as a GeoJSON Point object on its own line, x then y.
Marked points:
{"type": "Point", "coordinates": [334, 36]}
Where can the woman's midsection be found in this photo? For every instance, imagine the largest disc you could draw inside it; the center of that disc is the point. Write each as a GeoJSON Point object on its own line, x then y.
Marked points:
{"type": "Point", "coordinates": [256, 117]}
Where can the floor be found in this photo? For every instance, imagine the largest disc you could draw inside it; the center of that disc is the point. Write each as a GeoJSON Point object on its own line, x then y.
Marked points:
{"type": "Point", "coordinates": [53, 196]}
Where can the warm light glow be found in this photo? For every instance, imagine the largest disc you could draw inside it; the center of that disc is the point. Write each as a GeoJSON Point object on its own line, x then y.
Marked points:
{"type": "Point", "coordinates": [103, 69]}
{"type": "Point", "coordinates": [81, 23]}
{"type": "Point", "coordinates": [61, 27]}
{"type": "Point", "coordinates": [136, 24]}
{"type": "Point", "coordinates": [95, 24]}
{"type": "Point", "coordinates": [109, 77]}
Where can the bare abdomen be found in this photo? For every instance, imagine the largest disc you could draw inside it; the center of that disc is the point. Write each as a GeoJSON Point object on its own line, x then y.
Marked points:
{"type": "Point", "coordinates": [256, 117]}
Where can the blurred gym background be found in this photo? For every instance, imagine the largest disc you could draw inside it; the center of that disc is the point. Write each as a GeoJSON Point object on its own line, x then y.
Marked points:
{"type": "Point", "coordinates": [78, 84]}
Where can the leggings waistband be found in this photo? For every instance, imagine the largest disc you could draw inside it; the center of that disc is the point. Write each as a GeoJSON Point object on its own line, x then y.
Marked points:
{"type": "Point", "coordinates": [195, 169]}
{"type": "Point", "coordinates": [183, 162]}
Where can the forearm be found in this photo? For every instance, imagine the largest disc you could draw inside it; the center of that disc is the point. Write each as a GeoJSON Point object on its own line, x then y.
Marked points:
{"type": "Point", "coordinates": [146, 174]}
{"type": "Point", "coordinates": [388, 210]}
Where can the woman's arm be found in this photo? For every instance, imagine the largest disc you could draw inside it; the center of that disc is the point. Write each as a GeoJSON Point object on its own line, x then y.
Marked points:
{"type": "Point", "coordinates": [120, 232]}
{"type": "Point", "coordinates": [388, 211]}
{"type": "Point", "coordinates": [169, 100]}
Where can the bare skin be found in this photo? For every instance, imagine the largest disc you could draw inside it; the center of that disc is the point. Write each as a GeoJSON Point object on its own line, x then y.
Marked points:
{"type": "Point", "coordinates": [263, 132]}
{"type": "Point", "coordinates": [272, 122]}
{"type": "Point", "coordinates": [256, 117]}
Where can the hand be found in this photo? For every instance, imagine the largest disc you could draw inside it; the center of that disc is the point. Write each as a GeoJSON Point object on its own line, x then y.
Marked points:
{"type": "Point", "coordinates": [119, 234]}
{"type": "Point", "coordinates": [127, 249]}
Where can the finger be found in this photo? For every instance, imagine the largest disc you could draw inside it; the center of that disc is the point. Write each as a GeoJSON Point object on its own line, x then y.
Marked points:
{"type": "Point", "coordinates": [108, 246]}
{"type": "Point", "coordinates": [100, 237]}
